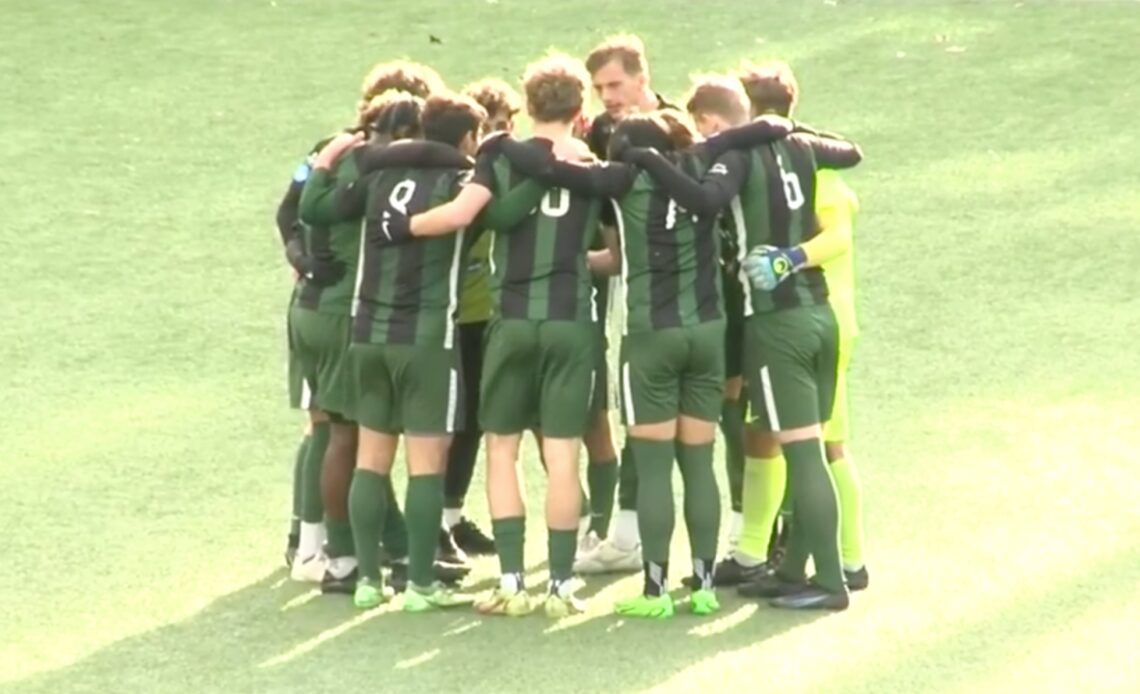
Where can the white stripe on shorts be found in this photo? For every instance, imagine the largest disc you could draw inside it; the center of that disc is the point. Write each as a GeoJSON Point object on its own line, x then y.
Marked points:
{"type": "Point", "coordinates": [627, 395]}
{"type": "Point", "coordinates": [769, 399]}
{"type": "Point", "coordinates": [306, 394]}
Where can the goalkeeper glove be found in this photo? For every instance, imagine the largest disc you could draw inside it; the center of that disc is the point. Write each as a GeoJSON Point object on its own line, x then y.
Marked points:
{"type": "Point", "coordinates": [768, 266]}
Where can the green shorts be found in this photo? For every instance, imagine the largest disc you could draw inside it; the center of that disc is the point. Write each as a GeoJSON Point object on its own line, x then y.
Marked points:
{"type": "Point", "coordinates": [790, 363]}
{"type": "Point", "coordinates": [538, 374]}
{"type": "Point", "coordinates": [671, 372]}
{"type": "Point", "coordinates": [320, 347]}
{"type": "Point", "coordinates": [734, 326]}
{"type": "Point", "coordinates": [413, 389]}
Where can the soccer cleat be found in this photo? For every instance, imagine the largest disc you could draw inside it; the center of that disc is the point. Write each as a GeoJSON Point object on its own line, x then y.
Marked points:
{"type": "Point", "coordinates": [857, 580]}
{"type": "Point", "coordinates": [291, 549]}
{"type": "Point", "coordinates": [812, 597]}
{"type": "Point", "coordinates": [450, 573]}
{"type": "Point", "coordinates": [310, 569]}
{"type": "Point", "coordinates": [647, 606]}
{"type": "Point", "coordinates": [704, 602]}
{"type": "Point", "coordinates": [398, 576]}
{"type": "Point", "coordinates": [587, 543]}
{"type": "Point", "coordinates": [345, 585]}
{"type": "Point", "coordinates": [770, 586]}
{"type": "Point", "coordinates": [607, 557]}
{"type": "Point", "coordinates": [448, 552]}
{"type": "Point", "coordinates": [730, 572]}
{"type": "Point", "coordinates": [503, 602]}
{"type": "Point", "coordinates": [558, 606]}
{"type": "Point", "coordinates": [369, 594]}
{"type": "Point", "coordinates": [435, 597]}
{"type": "Point", "coordinates": [470, 539]}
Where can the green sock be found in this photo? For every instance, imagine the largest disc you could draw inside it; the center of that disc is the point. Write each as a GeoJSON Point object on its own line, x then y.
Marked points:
{"type": "Point", "coordinates": [311, 507]}
{"type": "Point", "coordinates": [560, 546]}
{"type": "Point", "coordinates": [732, 428]}
{"type": "Point", "coordinates": [510, 534]}
{"type": "Point", "coordinates": [602, 478]}
{"type": "Point", "coordinates": [395, 531]}
{"type": "Point", "coordinates": [298, 476]}
{"type": "Point", "coordinates": [424, 512]}
{"type": "Point", "coordinates": [339, 537]}
{"type": "Point", "coordinates": [850, 513]}
{"type": "Point", "coordinates": [627, 479]}
{"type": "Point", "coordinates": [654, 496]}
{"type": "Point", "coordinates": [702, 498]}
{"type": "Point", "coordinates": [366, 509]}
{"type": "Point", "coordinates": [816, 509]}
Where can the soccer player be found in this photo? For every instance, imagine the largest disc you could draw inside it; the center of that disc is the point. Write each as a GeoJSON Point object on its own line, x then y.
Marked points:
{"type": "Point", "coordinates": [402, 344]}
{"type": "Point", "coordinates": [502, 103]}
{"type": "Point", "coordinates": [791, 337]}
{"type": "Point", "coordinates": [772, 88]}
{"type": "Point", "coordinates": [306, 532]}
{"type": "Point", "coordinates": [538, 371]}
{"type": "Point", "coordinates": [619, 72]}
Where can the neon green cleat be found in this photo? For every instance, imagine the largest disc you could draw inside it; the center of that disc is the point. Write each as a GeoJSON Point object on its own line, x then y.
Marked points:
{"type": "Point", "coordinates": [371, 593]}
{"type": "Point", "coordinates": [704, 602]}
{"type": "Point", "coordinates": [559, 606]}
{"type": "Point", "coordinates": [660, 607]}
{"type": "Point", "coordinates": [511, 604]}
{"type": "Point", "coordinates": [435, 597]}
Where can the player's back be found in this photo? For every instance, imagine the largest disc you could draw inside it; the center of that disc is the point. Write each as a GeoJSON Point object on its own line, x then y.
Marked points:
{"type": "Point", "coordinates": [407, 292]}
{"type": "Point", "coordinates": [670, 264]}
{"type": "Point", "coordinates": [777, 208]}
{"type": "Point", "coordinates": [332, 243]}
{"type": "Point", "coordinates": [539, 269]}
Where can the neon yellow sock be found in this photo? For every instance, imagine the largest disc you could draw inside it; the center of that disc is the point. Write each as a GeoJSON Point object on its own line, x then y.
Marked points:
{"type": "Point", "coordinates": [764, 483]}
{"type": "Point", "coordinates": [850, 512]}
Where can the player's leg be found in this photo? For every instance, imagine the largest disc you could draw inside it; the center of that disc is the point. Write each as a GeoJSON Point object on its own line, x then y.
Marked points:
{"type": "Point", "coordinates": [650, 368]}
{"type": "Point", "coordinates": [428, 393]}
{"type": "Point", "coordinates": [507, 403]}
{"type": "Point", "coordinates": [464, 450]}
{"type": "Point", "coordinates": [797, 352]}
{"type": "Point", "coordinates": [565, 379]}
{"type": "Point", "coordinates": [601, 459]}
{"type": "Point", "coordinates": [299, 398]}
{"type": "Point", "coordinates": [732, 411]}
{"type": "Point", "coordinates": [835, 435]}
{"type": "Point", "coordinates": [702, 394]}
{"type": "Point", "coordinates": [306, 335]}
{"type": "Point", "coordinates": [369, 494]}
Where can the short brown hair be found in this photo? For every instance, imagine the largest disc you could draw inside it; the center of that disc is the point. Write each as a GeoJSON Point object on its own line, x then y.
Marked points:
{"type": "Point", "coordinates": [681, 131]}
{"type": "Point", "coordinates": [627, 48]}
{"type": "Point", "coordinates": [447, 118]}
{"type": "Point", "coordinates": [393, 116]}
{"type": "Point", "coordinates": [771, 87]}
{"type": "Point", "coordinates": [401, 75]}
{"type": "Point", "coordinates": [495, 96]}
{"type": "Point", "coordinates": [719, 95]}
{"type": "Point", "coordinates": [555, 88]}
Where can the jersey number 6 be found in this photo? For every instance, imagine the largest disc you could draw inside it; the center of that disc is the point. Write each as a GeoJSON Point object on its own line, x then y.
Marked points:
{"type": "Point", "coordinates": [793, 193]}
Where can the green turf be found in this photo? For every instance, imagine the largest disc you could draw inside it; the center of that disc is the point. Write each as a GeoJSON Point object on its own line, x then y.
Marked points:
{"type": "Point", "coordinates": [146, 447]}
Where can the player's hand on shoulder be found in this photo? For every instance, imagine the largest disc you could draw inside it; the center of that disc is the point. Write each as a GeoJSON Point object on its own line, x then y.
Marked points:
{"type": "Point", "coordinates": [491, 143]}
{"type": "Point", "coordinates": [337, 147]}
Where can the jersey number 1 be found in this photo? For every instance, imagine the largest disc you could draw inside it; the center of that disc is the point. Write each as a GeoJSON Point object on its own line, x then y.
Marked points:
{"type": "Point", "coordinates": [793, 193]}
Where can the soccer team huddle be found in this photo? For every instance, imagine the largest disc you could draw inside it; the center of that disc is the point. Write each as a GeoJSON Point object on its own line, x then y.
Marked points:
{"type": "Point", "coordinates": [454, 289]}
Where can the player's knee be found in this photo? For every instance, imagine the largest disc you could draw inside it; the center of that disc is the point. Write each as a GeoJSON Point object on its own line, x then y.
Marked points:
{"type": "Point", "coordinates": [813, 431]}
{"type": "Point", "coordinates": [695, 432]}
{"type": "Point", "coordinates": [760, 443]}
{"type": "Point", "coordinates": [836, 450]}
{"type": "Point", "coordinates": [733, 387]}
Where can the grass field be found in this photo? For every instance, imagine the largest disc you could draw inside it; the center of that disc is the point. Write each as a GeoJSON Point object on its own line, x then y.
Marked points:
{"type": "Point", "coordinates": [147, 447]}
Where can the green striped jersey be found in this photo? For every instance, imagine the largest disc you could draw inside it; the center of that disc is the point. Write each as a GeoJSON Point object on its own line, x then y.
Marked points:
{"type": "Point", "coordinates": [337, 242]}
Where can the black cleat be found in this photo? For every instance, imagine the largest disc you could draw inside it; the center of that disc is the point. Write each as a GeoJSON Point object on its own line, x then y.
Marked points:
{"type": "Point", "coordinates": [450, 574]}
{"type": "Point", "coordinates": [770, 585]}
{"type": "Point", "coordinates": [448, 552]}
{"type": "Point", "coordinates": [812, 597]}
{"type": "Point", "coordinates": [857, 580]}
{"type": "Point", "coordinates": [730, 572]}
{"type": "Point", "coordinates": [331, 585]}
{"type": "Point", "coordinates": [291, 545]}
{"type": "Point", "coordinates": [470, 539]}
{"type": "Point", "coordinates": [398, 576]}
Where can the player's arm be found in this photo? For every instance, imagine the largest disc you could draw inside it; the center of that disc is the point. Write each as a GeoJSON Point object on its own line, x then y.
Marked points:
{"type": "Point", "coordinates": [325, 199]}
{"type": "Point", "coordinates": [831, 153]}
{"type": "Point", "coordinates": [410, 154]}
{"type": "Point", "coordinates": [761, 131]}
{"type": "Point", "coordinates": [711, 194]}
{"type": "Point", "coordinates": [606, 261]}
{"type": "Point", "coordinates": [599, 180]}
{"type": "Point", "coordinates": [316, 270]}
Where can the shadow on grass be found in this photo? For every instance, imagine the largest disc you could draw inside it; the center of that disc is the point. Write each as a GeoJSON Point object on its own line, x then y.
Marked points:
{"type": "Point", "coordinates": [276, 636]}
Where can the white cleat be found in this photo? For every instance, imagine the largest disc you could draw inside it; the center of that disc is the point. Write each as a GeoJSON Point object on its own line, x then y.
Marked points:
{"type": "Point", "coordinates": [309, 569]}
{"type": "Point", "coordinates": [587, 543]}
{"type": "Point", "coordinates": [606, 557]}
